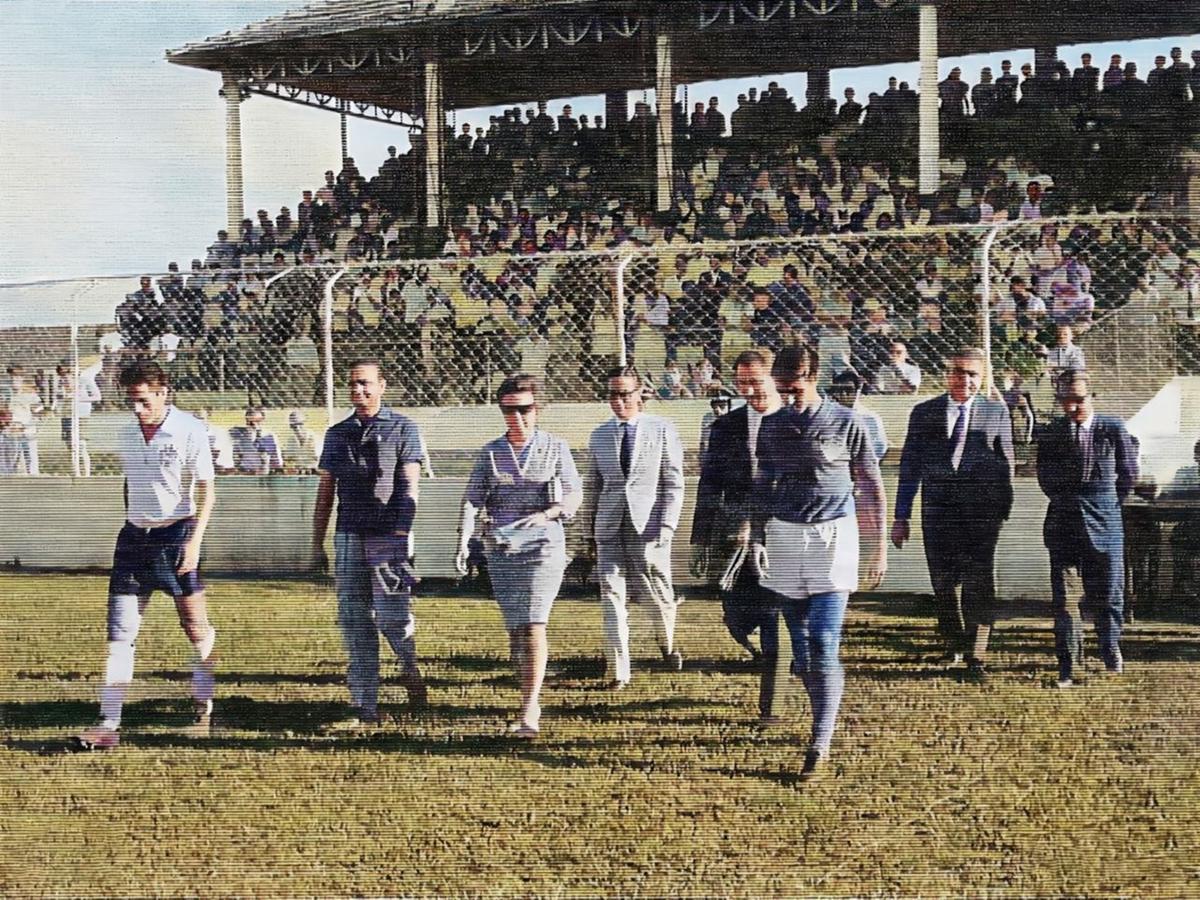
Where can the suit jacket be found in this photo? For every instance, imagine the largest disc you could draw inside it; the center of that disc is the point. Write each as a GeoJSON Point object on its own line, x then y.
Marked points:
{"type": "Point", "coordinates": [978, 493]}
{"type": "Point", "coordinates": [1086, 503]}
{"type": "Point", "coordinates": [653, 491]}
{"type": "Point", "coordinates": [726, 479]}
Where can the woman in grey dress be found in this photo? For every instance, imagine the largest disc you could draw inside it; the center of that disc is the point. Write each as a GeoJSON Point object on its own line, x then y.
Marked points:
{"type": "Point", "coordinates": [527, 483]}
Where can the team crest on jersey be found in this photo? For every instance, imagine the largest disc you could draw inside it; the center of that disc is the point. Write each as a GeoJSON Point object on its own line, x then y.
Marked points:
{"type": "Point", "coordinates": [168, 455]}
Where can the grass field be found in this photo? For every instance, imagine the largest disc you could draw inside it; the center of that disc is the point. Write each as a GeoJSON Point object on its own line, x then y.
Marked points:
{"type": "Point", "coordinates": [667, 789]}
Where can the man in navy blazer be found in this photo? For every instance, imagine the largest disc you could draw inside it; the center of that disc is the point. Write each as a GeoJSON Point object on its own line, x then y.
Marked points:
{"type": "Point", "coordinates": [959, 454]}
{"type": "Point", "coordinates": [722, 504]}
{"type": "Point", "coordinates": [1087, 465]}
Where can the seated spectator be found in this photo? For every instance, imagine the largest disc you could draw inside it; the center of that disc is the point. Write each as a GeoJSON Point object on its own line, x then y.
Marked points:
{"type": "Point", "coordinates": [256, 452]}
{"type": "Point", "coordinates": [303, 450]}
{"type": "Point", "coordinates": [1032, 207]}
{"type": "Point", "coordinates": [672, 387]}
{"type": "Point", "coordinates": [899, 374]}
{"type": "Point", "coordinates": [846, 389]}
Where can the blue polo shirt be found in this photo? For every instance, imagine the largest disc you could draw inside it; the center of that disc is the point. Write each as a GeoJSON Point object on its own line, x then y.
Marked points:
{"type": "Point", "coordinates": [805, 460]}
{"type": "Point", "coordinates": [366, 457]}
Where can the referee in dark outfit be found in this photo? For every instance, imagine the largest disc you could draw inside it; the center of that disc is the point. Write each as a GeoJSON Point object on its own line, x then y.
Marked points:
{"type": "Point", "coordinates": [726, 480]}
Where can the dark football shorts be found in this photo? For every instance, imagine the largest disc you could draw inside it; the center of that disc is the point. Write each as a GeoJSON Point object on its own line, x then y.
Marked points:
{"type": "Point", "coordinates": [146, 560]}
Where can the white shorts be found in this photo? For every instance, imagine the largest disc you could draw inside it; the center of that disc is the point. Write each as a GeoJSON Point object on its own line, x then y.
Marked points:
{"type": "Point", "coordinates": [803, 560]}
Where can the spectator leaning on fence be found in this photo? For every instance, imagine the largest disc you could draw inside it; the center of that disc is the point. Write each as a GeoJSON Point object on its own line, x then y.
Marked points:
{"type": "Point", "coordinates": [256, 451]}
{"type": "Point", "coordinates": [303, 450]}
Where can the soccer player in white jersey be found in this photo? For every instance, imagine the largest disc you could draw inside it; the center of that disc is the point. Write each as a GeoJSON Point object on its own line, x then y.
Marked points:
{"type": "Point", "coordinates": [168, 502]}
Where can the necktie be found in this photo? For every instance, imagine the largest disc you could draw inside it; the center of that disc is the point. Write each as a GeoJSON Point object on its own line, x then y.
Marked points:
{"type": "Point", "coordinates": [626, 448]}
{"type": "Point", "coordinates": [1081, 450]}
{"type": "Point", "coordinates": [956, 435]}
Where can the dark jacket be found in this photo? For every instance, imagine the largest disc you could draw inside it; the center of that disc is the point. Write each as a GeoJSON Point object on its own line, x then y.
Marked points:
{"type": "Point", "coordinates": [726, 480]}
{"type": "Point", "coordinates": [1086, 503]}
{"type": "Point", "coordinates": [979, 492]}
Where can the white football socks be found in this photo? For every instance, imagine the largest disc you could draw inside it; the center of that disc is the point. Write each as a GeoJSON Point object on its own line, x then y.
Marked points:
{"type": "Point", "coordinates": [118, 673]}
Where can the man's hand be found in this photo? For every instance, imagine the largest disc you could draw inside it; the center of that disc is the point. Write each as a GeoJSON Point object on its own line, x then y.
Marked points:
{"type": "Point", "coordinates": [460, 560]}
{"type": "Point", "coordinates": [191, 558]}
{"type": "Point", "coordinates": [665, 533]}
{"type": "Point", "coordinates": [387, 556]}
{"type": "Point", "coordinates": [900, 533]}
{"type": "Point", "coordinates": [876, 568]}
{"type": "Point", "coordinates": [533, 520]}
{"type": "Point", "coordinates": [319, 561]}
{"type": "Point", "coordinates": [698, 563]}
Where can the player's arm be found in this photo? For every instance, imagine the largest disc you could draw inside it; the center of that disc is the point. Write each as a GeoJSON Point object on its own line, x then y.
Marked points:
{"type": "Point", "coordinates": [326, 487]}
{"type": "Point", "coordinates": [206, 500]}
{"type": "Point", "coordinates": [411, 473]}
{"type": "Point", "coordinates": [871, 511]}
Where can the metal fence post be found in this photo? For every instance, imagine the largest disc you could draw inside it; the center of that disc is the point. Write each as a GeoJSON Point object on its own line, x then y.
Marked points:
{"type": "Point", "coordinates": [623, 358]}
{"type": "Point", "coordinates": [985, 313]}
{"type": "Point", "coordinates": [327, 325]}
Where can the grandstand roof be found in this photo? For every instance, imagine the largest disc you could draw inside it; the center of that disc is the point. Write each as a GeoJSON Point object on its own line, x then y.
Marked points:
{"type": "Point", "coordinates": [505, 51]}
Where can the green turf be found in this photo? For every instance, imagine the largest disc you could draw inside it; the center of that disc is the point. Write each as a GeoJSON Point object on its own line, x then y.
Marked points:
{"type": "Point", "coordinates": [936, 787]}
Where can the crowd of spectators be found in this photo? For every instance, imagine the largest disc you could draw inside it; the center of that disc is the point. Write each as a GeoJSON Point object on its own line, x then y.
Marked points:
{"type": "Point", "coordinates": [530, 186]}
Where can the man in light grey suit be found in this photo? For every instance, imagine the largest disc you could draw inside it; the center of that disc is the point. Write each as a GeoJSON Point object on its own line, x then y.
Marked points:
{"type": "Point", "coordinates": [636, 484]}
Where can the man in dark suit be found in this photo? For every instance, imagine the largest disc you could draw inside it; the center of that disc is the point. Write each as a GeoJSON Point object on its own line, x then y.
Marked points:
{"type": "Point", "coordinates": [726, 481]}
{"type": "Point", "coordinates": [1087, 465]}
{"type": "Point", "coordinates": [959, 453]}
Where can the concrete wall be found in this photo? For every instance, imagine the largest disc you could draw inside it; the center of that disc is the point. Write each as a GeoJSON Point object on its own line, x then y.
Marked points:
{"type": "Point", "coordinates": [262, 526]}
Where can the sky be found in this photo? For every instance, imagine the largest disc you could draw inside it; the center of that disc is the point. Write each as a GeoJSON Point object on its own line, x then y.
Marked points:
{"type": "Point", "coordinates": [115, 158]}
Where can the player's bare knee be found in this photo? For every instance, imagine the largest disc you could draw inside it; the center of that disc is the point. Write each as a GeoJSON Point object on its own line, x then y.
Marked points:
{"type": "Point", "coordinates": [124, 618]}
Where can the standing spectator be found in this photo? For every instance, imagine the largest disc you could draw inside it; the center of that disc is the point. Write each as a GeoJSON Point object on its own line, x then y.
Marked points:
{"type": "Point", "coordinates": [169, 500]}
{"type": "Point", "coordinates": [818, 484]}
{"type": "Point", "coordinates": [82, 396]}
{"type": "Point", "coordinates": [303, 452]}
{"type": "Point", "coordinates": [1085, 82]}
{"type": "Point", "coordinates": [10, 445]}
{"type": "Point", "coordinates": [851, 110]}
{"type": "Point", "coordinates": [958, 453]}
{"type": "Point", "coordinates": [26, 407]}
{"type": "Point", "coordinates": [899, 374]}
{"type": "Point", "coordinates": [847, 390]}
{"type": "Point", "coordinates": [372, 462]}
{"type": "Point", "coordinates": [1086, 465]}
{"type": "Point", "coordinates": [722, 504]}
{"type": "Point", "coordinates": [636, 483]}
{"type": "Point", "coordinates": [527, 482]}
{"type": "Point", "coordinates": [1031, 208]}
{"type": "Point", "coordinates": [219, 444]}
{"type": "Point", "coordinates": [1064, 354]}
{"type": "Point", "coordinates": [953, 93]}
{"type": "Point", "coordinates": [257, 452]}
{"type": "Point", "coordinates": [1113, 75]}
{"type": "Point", "coordinates": [1006, 89]}
{"type": "Point", "coordinates": [985, 96]}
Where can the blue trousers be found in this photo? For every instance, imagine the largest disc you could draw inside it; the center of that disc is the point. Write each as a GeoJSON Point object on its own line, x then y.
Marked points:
{"type": "Point", "coordinates": [815, 626]}
{"type": "Point", "coordinates": [1103, 576]}
{"type": "Point", "coordinates": [364, 610]}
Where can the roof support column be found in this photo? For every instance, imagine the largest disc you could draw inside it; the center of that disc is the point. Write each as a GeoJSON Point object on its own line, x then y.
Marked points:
{"type": "Point", "coordinates": [345, 132]}
{"type": "Point", "coordinates": [235, 203]}
{"type": "Point", "coordinates": [928, 137]}
{"type": "Point", "coordinates": [664, 99]}
{"type": "Point", "coordinates": [435, 133]}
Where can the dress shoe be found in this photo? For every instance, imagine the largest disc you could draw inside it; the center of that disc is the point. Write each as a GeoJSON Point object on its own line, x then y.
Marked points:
{"type": "Point", "coordinates": [814, 763]}
{"type": "Point", "coordinates": [674, 660]}
{"type": "Point", "coordinates": [616, 685]}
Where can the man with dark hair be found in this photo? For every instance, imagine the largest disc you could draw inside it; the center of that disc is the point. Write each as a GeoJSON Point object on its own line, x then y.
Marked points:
{"type": "Point", "coordinates": [818, 484]}
{"type": "Point", "coordinates": [372, 462]}
{"type": "Point", "coordinates": [636, 484]}
{"type": "Point", "coordinates": [1087, 465]}
{"type": "Point", "coordinates": [166, 460]}
{"type": "Point", "coordinates": [722, 502]}
{"type": "Point", "coordinates": [959, 454]}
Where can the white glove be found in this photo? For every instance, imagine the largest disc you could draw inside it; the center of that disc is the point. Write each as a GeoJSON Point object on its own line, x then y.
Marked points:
{"type": "Point", "coordinates": [460, 561]}
{"type": "Point", "coordinates": [758, 553]}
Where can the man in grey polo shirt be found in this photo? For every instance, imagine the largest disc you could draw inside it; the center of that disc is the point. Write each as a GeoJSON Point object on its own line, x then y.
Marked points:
{"type": "Point", "coordinates": [371, 461]}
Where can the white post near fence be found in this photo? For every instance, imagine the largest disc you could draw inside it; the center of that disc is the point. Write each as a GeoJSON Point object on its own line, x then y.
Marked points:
{"type": "Point", "coordinates": [74, 383]}
{"type": "Point", "coordinates": [327, 310]}
{"type": "Point", "coordinates": [619, 293]}
{"type": "Point", "coordinates": [985, 311]}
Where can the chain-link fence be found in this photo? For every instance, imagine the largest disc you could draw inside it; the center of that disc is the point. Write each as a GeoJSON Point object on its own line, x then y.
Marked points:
{"type": "Point", "coordinates": [1117, 294]}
